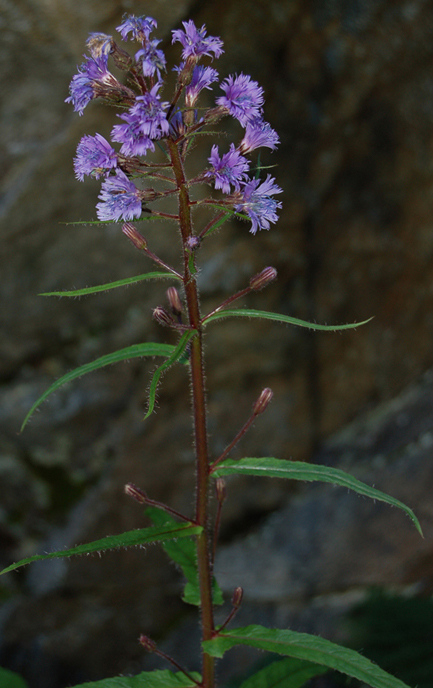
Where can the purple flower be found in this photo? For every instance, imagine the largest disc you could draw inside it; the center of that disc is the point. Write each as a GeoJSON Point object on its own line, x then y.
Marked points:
{"type": "Point", "coordinates": [120, 199]}
{"type": "Point", "coordinates": [243, 98]}
{"type": "Point", "coordinates": [95, 157]}
{"type": "Point", "coordinates": [202, 77]}
{"type": "Point", "coordinates": [140, 27]}
{"type": "Point", "coordinates": [257, 134]}
{"type": "Point", "coordinates": [153, 60]}
{"type": "Point", "coordinates": [146, 120]}
{"type": "Point", "coordinates": [82, 87]}
{"type": "Point", "coordinates": [228, 170]}
{"type": "Point", "coordinates": [195, 43]}
{"type": "Point", "coordinates": [255, 200]}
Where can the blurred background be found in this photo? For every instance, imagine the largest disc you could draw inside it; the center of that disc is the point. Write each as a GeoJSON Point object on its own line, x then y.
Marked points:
{"type": "Point", "coordinates": [349, 89]}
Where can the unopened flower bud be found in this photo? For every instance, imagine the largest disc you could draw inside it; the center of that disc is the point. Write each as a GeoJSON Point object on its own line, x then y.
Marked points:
{"type": "Point", "coordinates": [263, 401]}
{"type": "Point", "coordinates": [263, 278]}
{"type": "Point", "coordinates": [174, 300]}
{"type": "Point", "coordinates": [134, 236]}
{"type": "Point", "coordinates": [238, 593]}
{"type": "Point", "coordinates": [220, 487]}
{"type": "Point", "coordinates": [147, 643]}
{"type": "Point", "coordinates": [193, 242]}
{"type": "Point", "coordinates": [136, 493]}
{"type": "Point", "coordinates": [162, 316]}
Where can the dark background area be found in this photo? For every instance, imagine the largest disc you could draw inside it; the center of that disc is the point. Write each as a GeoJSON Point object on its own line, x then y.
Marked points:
{"type": "Point", "coordinates": [349, 88]}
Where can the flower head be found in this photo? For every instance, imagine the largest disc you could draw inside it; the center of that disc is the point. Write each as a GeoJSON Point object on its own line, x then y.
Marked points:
{"type": "Point", "coordinates": [99, 44]}
{"type": "Point", "coordinates": [146, 120]}
{"type": "Point", "coordinates": [93, 80]}
{"type": "Point", "coordinates": [139, 27]}
{"type": "Point", "coordinates": [120, 199]}
{"type": "Point", "coordinates": [202, 77]}
{"type": "Point", "coordinates": [195, 43]}
{"type": "Point", "coordinates": [152, 59]}
{"type": "Point", "coordinates": [257, 134]}
{"type": "Point", "coordinates": [229, 170]}
{"type": "Point", "coordinates": [95, 157]}
{"type": "Point", "coordinates": [255, 200]}
{"type": "Point", "coordinates": [243, 98]}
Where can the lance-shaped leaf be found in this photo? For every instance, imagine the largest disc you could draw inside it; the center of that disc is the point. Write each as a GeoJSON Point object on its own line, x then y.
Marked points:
{"type": "Point", "coordinates": [278, 317]}
{"type": "Point", "coordinates": [147, 679]}
{"type": "Point", "coordinates": [8, 679]}
{"type": "Point", "coordinates": [285, 673]}
{"type": "Point", "coordinates": [114, 285]}
{"type": "Point", "coordinates": [304, 646]}
{"type": "Point", "coordinates": [299, 470]}
{"type": "Point", "coordinates": [184, 553]}
{"type": "Point", "coordinates": [134, 351]}
{"type": "Point", "coordinates": [131, 538]}
{"type": "Point", "coordinates": [177, 353]}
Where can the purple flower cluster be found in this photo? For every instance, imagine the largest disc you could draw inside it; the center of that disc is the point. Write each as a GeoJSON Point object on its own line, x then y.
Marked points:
{"type": "Point", "coordinates": [195, 43]}
{"type": "Point", "coordinates": [147, 119]}
{"type": "Point", "coordinates": [94, 157]}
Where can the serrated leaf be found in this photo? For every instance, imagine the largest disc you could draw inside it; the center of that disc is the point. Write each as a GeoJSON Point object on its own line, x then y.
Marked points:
{"type": "Point", "coordinates": [298, 470]}
{"type": "Point", "coordinates": [278, 317]}
{"type": "Point", "coordinates": [114, 285]}
{"type": "Point", "coordinates": [284, 673]}
{"type": "Point", "coordinates": [131, 538]}
{"type": "Point", "coordinates": [176, 354]}
{"type": "Point", "coordinates": [9, 679]}
{"type": "Point", "coordinates": [134, 351]}
{"type": "Point", "coordinates": [304, 646]}
{"type": "Point", "coordinates": [184, 553]}
{"type": "Point", "coordinates": [147, 679]}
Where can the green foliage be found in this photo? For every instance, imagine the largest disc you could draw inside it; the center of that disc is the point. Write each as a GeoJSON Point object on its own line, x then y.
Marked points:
{"type": "Point", "coordinates": [278, 317]}
{"type": "Point", "coordinates": [397, 633]}
{"type": "Point", "coordinates": [184, 553]}
{"type": "Point", "coordinates": [8, 679]}
{"type": "Point", "coordinates": [176, 355]}
{"type": "Point", "coordinates": [299, 470]}
{"type": "Point", "coordinates": [284, 673]}
{"type": "Point", "coordinates": [113, 285]}
{"type": "Point", "coordinates": [304, 646]}
{"type": "Point", "coordinates": [147, 679]}
{"type": "Point", "coordinates": [134, 351]}
{"type": "Point", "coordinates": [131, 538]}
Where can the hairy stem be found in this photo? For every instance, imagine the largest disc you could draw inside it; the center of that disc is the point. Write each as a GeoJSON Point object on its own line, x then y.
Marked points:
{"type": "Point", "coordinates": [199, 411]}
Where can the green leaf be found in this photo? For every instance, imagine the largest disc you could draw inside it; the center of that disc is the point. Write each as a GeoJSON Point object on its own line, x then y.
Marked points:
{"type": "Point", "coordinates": [113, 285]}
{"type": "Point", "coordinates": [285, 673]}
{"type": "Point", "coordinates": [299, 470]}
{"type": "Point", "coordinates": [304, 646]}
{"type": "Point", "coordinates": [147, 679]}
{"type": "Point", "coordinates": [8, 679]}
{"type": "Point", "coordinates": [184, 553]}
{"type": "Point", "coordinates": [134, 351]}
{"type": "Point", "coordinates": [217, 224]}
{"type": "Point", "coordinates": [131, 538]}
{"type": "Point", "coordinates": [177, 353]}
{"type": "Point", "coordinates": [248, 313]}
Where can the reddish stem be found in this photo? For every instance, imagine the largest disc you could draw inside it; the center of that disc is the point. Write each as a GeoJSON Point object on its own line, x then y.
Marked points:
{"type": "Point", "coordinates": [199, 412]}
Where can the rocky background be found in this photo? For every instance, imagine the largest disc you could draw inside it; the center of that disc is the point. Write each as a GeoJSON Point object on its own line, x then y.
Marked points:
{"type": "Point", "coordinates": [349, 88]}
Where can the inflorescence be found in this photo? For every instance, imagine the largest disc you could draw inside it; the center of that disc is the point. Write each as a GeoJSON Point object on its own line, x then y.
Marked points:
{"type": "Point", "coordinates": [148, 120]}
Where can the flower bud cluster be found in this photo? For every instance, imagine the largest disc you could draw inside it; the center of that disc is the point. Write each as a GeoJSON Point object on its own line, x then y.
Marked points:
{"type": "Point", "coordinates": [149, 119]}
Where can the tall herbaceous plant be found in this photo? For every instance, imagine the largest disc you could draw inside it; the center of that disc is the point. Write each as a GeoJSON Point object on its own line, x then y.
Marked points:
{"type": "Point", "coordinates": [151, 118]}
